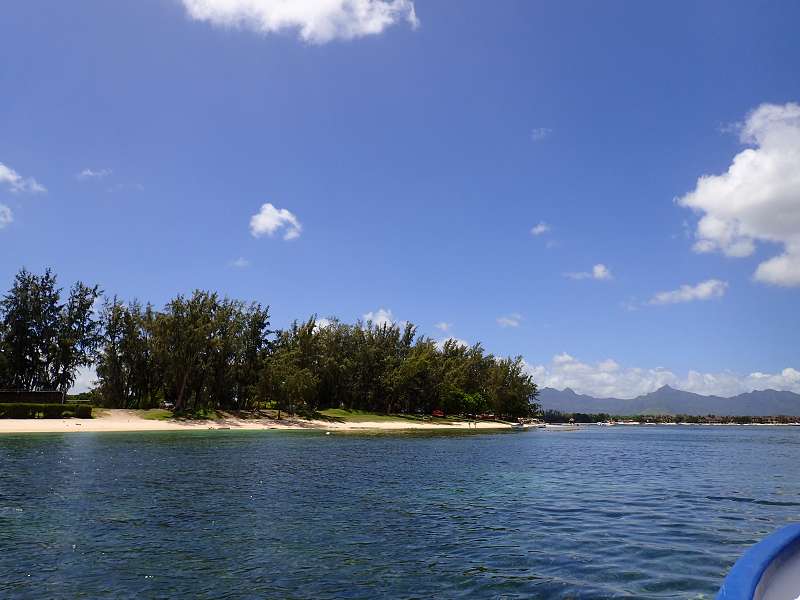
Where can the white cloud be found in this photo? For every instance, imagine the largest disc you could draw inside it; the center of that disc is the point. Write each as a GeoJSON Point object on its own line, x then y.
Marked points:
{"type": "Point", "coordinates": [380, 317]}
{"type": "Point", "coordinates": [705, 290]}
{"type": "Point", "coordinates": [758, 198]}
{"type": "Point", "coordinates": [316, 21]}
{"type": "Point", "coordinates": [442, 326]}
{"type": "Point", "coordinates": [87, 174]}
{"type": "Point", "coordinates": [17, 183]}
{"type": "Point", "coordinates": [512, 320]}
{"type": "Point", "coordinates": [269, 219]}
{"type": "Point", "coordinates": [599, 272]}
{"type": "Point", "coordinates": [240, 263]}
{"type": "Point", "coordinates": [6, 216]}
{"type": "Point", "coordinates": [608, 379]}
{"type": "Point", "coordinates": [322, 323]}
{"type": "Point", "coordinates": [458, 342]}
{"type": "Point", "coordinates": [540, 228]}
{"type": "Point", "coordinates": [85, 380]}
{"type": "Point", "coordinates": [540, 133]}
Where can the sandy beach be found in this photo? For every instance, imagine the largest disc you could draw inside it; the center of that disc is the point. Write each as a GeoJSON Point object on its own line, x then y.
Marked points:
{"type": "Point", "coordinates": [131, 420]}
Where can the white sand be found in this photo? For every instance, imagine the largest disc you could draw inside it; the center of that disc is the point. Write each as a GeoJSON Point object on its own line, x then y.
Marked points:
{"type": "Point", "coordinates": [130, 420]}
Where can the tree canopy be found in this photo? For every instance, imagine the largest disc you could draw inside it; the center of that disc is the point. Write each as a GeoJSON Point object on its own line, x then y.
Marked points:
{"type": "Point", "coordinates": [205, 352]}
{"type": "Point", "coordinates": [44, 339]}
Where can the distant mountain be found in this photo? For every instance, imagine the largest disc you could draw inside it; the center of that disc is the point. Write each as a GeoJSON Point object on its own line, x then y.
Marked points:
{"type": "Point", "coordinates": [669, 401]}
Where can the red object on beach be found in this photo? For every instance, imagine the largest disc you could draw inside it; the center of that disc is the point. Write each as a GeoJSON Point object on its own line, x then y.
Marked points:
{"type": "Point", "coordinates": [438, 413]}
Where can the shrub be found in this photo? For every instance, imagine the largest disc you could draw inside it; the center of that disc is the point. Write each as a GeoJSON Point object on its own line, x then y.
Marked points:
{"type": "Point", "coordinates": [18, 410]}
{"type": "Point", "coordinates": [27, 410]}
{"type": "Point", "coordinates": [83, 411]}
{"type": "Point", "coordinates": [51, 411]}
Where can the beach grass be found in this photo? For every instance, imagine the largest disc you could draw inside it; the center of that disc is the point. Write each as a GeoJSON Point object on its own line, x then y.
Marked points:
{"type": "Point", "coordinates": [362, 416]}
{"type": "Point", "coordinates": [156, 414]}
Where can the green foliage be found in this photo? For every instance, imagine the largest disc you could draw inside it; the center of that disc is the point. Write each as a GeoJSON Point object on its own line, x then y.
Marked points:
{"type": "Point", "coordinates": [156, 414]}
{"type": "Point", "coordinates": [386, 370]}
{"type": "Point", "coordinates": [43, 341]}
{"type": "Point", "coordinates": [19, 410]}
{"type": "Point", "coordinates": [82, 411]}
{"type": "Point", "coordinates": [26, 410]}
{"type": "Point", "coordinates": [204, 353]}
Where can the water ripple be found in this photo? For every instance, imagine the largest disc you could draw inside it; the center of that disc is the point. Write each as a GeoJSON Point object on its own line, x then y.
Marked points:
{"type": "Point", "coordinates": [608, 513]}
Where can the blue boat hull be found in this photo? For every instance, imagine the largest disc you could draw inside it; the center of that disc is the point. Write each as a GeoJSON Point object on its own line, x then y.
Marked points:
{"type": "Point", "coordinates": [770, 570]}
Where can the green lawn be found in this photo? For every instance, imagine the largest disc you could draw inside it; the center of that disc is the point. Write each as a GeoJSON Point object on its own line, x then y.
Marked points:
{"type": "Point", "coordinates": [160, 414]}
{"type": "Point", "coordinates": [361, 416]}
{"type": "Point", "coordinates": [156, 414]}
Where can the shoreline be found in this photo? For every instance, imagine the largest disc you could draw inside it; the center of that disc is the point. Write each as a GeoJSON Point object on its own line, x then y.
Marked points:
{"type": "Point", "coordinates": [122, 420]}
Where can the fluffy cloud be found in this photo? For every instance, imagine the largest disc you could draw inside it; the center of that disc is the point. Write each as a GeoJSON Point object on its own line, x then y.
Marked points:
{"type": "Point", "coordinates": [512, 320]}
{"type": "Point", "coordinates": [316, 21]}
{"type": "Point", "coordinates": [17, 183]}
{"type": "Point", "coordinates": [380, 317]}
{"type": "Point", "coordinates": [87, 174]}
{"type": "Point", "coordinates": [442, 326]}
{"type": "Point", "coordinates": [599, 272]}
{"type": "Point", "coordinates": [609, 379]}
{"type": "Point", "coordinates": [6, 216]}
{"type": "Point", "coordinates": [758, 198]}
{"type": "Point", "coordinates": [705, 290]}
{"type": "Point", "coordinates": [540, 133]}
{"type": "Point", "coordinates": [540, 228]}
{"type": "Point", "coordinates": [269, 219]}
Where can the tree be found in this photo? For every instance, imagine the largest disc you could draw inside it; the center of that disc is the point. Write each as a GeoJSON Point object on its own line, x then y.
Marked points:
{"type": "Point", "coordinates": [44, 342]}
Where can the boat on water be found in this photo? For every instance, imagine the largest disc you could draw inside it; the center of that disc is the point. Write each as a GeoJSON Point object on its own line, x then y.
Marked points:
{"type": "Point", "coordinates": [769, 570]}
{"type": "Point", "coordinates": [527, 424]}
{"type": "Point", "coordinates": [561, 427]}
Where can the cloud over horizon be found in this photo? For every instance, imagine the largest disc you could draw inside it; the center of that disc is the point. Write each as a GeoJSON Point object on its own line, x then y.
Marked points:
{"type": "Point", "coordinates": [316, 21]}
{"type": "Point", "coordinates": [607, 379]}
{"type": "Point", "coordinates": [758, 198]}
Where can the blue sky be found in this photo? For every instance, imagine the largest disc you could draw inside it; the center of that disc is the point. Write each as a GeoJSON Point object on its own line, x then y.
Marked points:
{"type": "Point", "coordinates": [416, 147]}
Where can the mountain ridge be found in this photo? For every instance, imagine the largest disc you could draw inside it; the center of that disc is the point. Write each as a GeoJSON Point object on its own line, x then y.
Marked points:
{"type": "Point", "coordinates": [671, 401]}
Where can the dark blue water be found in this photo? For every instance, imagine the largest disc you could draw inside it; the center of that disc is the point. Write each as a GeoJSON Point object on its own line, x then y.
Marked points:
{"type": "Point", "coordinates": [637, 512]}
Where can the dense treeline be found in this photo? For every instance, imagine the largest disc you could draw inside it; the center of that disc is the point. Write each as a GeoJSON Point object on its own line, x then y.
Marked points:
{"type": "Point", "coordinates": [205, 352]}
{"type": "Point", "coordinates": [554, 416]}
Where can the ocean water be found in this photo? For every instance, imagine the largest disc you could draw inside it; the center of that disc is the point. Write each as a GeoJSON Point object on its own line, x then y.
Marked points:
{"type": "Point", "coordinates": [639, 512]}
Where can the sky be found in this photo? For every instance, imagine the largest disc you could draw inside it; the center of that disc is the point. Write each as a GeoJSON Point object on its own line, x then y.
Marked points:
{"type": "Point", "coordinates": [610, 190]}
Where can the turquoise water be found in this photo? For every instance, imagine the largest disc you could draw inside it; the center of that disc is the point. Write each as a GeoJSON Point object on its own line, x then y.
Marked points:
{"type": "Point", "coordinates": [640, 512]}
